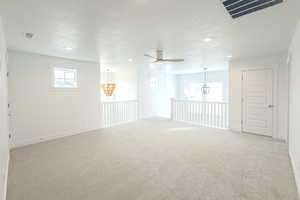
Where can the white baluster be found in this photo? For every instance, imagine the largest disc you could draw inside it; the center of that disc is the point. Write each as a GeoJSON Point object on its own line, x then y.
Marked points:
{"type": "Point", "coordinates": [122, 112]}
{"type": "Point", "coordinates": [192, 112]}
{"type": "Point", "coordinates": [110, 114]}
{"type": "Point", "coordinates": [199, 113]}
{"type": "Point", "coordinates": [218, 115]}
{"type": "Point", "coordinates": [106, 115]}
{"type": "Point", "coordinates": [210, 115]}
{"type": "Point", "coordinates": [182, 111]}
{"type": "Point", "coordinates": [223, 117]}
{"type": "Point", "coordinates": [172, 109]}
{"type": "Point", "coordinates": [176, 110]}
{"type": "Point", "coordinates": [204, 114]}
{"type": "Point", "coordinates": [213, 114]}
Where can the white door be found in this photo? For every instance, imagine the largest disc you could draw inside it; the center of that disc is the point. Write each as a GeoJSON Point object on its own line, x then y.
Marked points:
{"type": "Point", "coordinates": [258, 101]}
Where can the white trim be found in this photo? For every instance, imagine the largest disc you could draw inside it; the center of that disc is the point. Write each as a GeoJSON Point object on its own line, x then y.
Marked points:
{"type": "Point", "coordinates": [275, 103]}
{"type": "Point", "coordinates": [126, 101]}
{"type": "Point", "coordinates": [64, 70]}
{"type": "Point", "coordinates": [275, 97]}
{"type": "Point", "coordinates": [36, 140]}
{"type": "Point", "coordinates": [5, 171]}
{"type": "Point", "coordinates": [195, 101]}
{"type": "Point", "coordinates": [6, 176]}
{"type": "Point", "coordinates": [296, 170]}
{"type": "Point", "coordinates": [53, 56]}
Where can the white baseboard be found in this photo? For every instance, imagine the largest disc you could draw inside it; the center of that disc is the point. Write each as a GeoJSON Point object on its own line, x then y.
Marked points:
{"type": "Point", "coordinates": [296, 169]}
{"type": "Point", "coordinates": [30, 141]}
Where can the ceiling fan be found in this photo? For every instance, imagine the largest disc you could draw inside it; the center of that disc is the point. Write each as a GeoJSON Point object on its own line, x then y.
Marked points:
{"type": "Point", "coordinates": [160, 59]}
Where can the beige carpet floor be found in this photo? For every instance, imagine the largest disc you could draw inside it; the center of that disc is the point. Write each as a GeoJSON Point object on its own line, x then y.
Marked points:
{"type": "Point", "coordinates": [153, 159]}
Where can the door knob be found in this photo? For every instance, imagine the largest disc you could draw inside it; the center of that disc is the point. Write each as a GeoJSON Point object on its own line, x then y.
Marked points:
{"type": "Point", "coordinates": [271, 106]}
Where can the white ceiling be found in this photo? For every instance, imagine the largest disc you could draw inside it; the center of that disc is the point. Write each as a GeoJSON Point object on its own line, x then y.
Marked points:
{"type": "Point", "coordinates": [113, 31]}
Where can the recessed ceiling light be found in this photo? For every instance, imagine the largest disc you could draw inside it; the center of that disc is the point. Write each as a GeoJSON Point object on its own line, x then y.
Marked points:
{"type": "Point", "coordinates": [208, 39]}
{"type": "Point", "coordinates": [68, 48]}
{"type": "Point", "coordinates": [29, 35]}
{"type": "Point", "coordinates": [229, 56]}
{"type": "Point", "coordinates": [130, 60]}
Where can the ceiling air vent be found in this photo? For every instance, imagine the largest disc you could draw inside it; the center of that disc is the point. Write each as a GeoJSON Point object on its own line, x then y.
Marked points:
{"type": "Point", "coordinates": [238, 8]}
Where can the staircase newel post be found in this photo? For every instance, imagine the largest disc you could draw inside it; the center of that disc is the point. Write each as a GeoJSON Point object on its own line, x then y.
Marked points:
{"type": "Point", "coordinates": [172, 108]}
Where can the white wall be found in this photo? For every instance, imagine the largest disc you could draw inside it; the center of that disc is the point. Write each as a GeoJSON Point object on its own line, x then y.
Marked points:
{"type": "Point", "coordinates": [281, 106]}
{"type": "Point", "coordinates": [4, 147]}
{"type": "Point", "coordinates": [184, 80]}
{"type": "Point", "coordinates": [127, 84]}
{"type": "Point", "coordinates": [294, 107]}
{"type": "Point", "coordinates": [156, 88]}
{"type": "Point", "coordinates": [41, 112]}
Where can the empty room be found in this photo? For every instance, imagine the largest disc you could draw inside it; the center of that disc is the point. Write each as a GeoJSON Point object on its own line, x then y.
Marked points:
{"type": "Point", "coordinates": [149, 100]}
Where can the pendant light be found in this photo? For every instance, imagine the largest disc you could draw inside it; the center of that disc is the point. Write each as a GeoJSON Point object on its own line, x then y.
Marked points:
{"type": "Point", "coordinates": [205, 89]}
{"type": "Point", "coordinates": [108, 86]}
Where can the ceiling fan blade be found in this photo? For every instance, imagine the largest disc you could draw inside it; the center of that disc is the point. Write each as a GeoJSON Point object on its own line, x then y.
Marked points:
{"type": "Point", "coordinates": [149, 56]}
{"type": "Point", "coordinates": [173, 60]}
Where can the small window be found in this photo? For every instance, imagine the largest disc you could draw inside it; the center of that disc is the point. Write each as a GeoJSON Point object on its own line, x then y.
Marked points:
{"type": "Point", "coordinates": [65, 78]}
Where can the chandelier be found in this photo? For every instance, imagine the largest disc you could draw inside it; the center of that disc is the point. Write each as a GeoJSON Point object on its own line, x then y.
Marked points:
{"type": "Point", "coordinates": [205, 89]}
{"type": "Point", "coordinates": [108, 86]}
{"type": "Point", "coordinates": [108, 89]}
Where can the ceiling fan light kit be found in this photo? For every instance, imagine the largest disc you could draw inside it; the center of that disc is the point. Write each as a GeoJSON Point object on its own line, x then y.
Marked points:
{"type": "Point", "coordinates": [160, 58]}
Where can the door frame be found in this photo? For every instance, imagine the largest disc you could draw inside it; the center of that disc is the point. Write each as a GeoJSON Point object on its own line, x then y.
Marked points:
{"type": "Point", "coordinates": [275, 97]}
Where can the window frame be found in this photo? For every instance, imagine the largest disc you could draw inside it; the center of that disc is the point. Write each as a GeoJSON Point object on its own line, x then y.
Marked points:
{"type": "Point", "coordinates": [65, 69]}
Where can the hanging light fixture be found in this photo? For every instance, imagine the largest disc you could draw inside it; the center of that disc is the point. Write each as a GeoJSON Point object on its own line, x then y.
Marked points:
{"type": "Point", "coordinates": [108, 86]}
{"type": "Point", "coordinates": [205, 89]}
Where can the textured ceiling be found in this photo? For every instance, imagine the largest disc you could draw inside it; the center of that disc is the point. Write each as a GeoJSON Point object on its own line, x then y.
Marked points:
{"type": "Point", "coordinates": [113, 31]}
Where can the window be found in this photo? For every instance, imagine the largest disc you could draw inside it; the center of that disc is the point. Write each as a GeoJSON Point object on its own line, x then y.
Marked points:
{"type": "Point", "coordinates": [65, 78]}
{"type": "Point", "coordinates": [154, 82]}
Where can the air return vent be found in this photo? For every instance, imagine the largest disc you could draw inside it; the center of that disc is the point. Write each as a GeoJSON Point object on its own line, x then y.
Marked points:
{"type": "Point", "coordinates": [238, 8]}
